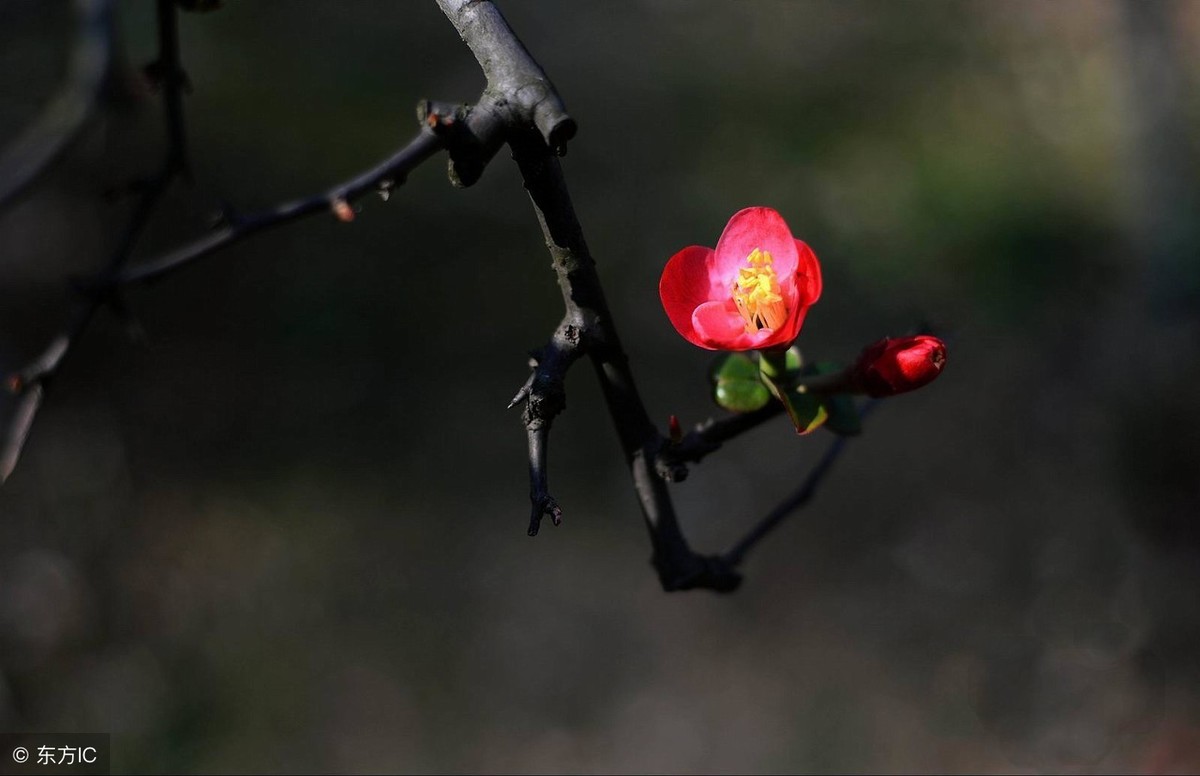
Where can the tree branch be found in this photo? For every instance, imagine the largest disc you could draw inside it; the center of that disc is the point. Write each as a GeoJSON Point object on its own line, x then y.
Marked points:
{"type": "Point", "coordinates": [514, 79]}
{"type": "Point", "coordinates": [382, 177]}
{"type": "Point", "coordinates": [679, 568]}
{"type": "Point", "coordinates": [521, 108]}
{"type": "Point", "coordinates": [31, 381]}
{"type": "Point", "coordinates": [48, 136]}
{"type": "Point", "coordinates": [797, 499]}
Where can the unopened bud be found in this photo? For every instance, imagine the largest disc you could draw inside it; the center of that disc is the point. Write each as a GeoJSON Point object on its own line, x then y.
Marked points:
{"type": "Point", "coordinates": [899, 364]}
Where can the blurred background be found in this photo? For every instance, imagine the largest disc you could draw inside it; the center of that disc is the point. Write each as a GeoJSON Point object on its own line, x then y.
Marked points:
{"type": "Point", "coordinates": [286, 531]}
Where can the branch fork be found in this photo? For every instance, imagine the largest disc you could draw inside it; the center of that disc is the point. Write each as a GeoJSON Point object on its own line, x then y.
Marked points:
{"type": "Point", "coordinates": [518, 107]}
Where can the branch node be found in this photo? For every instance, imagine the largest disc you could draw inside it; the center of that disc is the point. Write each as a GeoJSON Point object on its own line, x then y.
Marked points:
{"type": "Point", "coordinates": [667, 468]}
{"type": "Point", "coordinates": [707, 572]}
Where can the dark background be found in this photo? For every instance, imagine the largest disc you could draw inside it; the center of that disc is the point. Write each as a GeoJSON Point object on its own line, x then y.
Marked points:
{"type": "Point", "coordinates": [286, 531]}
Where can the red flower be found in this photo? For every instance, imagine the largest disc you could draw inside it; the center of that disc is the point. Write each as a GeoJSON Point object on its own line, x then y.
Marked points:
{"type": "Point", "coordinates": [892, 366]}
{"type": "Point", "coordinates": [750, 293]}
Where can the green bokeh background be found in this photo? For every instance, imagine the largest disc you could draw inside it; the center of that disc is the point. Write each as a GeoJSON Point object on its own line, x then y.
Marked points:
{"type": "Point", "coordinates": [285, 532]}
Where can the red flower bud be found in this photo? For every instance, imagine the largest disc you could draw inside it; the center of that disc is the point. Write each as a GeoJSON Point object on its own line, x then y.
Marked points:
{"type": "Point", "coordinates": [900, 364]}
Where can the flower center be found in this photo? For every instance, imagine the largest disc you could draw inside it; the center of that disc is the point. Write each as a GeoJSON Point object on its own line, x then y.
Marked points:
{"type": "Point", "coordinates": [757, 294]}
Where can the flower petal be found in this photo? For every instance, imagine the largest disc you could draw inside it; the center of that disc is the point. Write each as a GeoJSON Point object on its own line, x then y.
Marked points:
{"type": "Point", "coordinates": [755, 227]}
{"type": "Point", "coordinates": [684, 286]}
{"type": "Point", "coordinates": [808, 272]}
{"type": "Point", "coordinates": [788, 332]}
{"type": "Point", "coordinates": [719, 326]}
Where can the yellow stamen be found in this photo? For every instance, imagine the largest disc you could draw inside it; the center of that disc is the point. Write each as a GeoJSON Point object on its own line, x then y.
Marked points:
{"type": "Point", "coordinates": [757, 294]}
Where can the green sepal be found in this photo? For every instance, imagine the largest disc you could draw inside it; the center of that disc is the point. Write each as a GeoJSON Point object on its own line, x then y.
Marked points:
{"type": "Point", "coordinates": [805, 411]}
{"type": "Point", "coordinates": [737, 386]}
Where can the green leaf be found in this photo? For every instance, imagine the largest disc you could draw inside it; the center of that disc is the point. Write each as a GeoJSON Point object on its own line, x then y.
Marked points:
{"type": "Point", "coordinates": [736, 384]}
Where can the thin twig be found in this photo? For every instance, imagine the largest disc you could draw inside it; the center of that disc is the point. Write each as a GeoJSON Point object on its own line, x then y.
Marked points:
{"type": "Point", "coordinates": [53, 130]}
{"type": "Point", "coordinates": [33, 378]}
{"type": "Point", "coordinates": [799, 498]}
{"type": "Point", "coordinates": [708, 437]}
{"type": "Point", "coordinates": [678, 566]}
{"type": "Point", "coordinates": [382, 177]}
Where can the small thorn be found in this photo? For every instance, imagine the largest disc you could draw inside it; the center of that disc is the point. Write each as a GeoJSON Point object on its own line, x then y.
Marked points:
{"type": "Point", "coordinates": [520, 397]}
{"type": "Point", "coordinates": [341, 208]}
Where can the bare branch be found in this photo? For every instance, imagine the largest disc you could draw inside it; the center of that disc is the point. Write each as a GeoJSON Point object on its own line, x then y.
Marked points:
{"type": "Point", "coordinates": [32, 379]}
{"type": "Point", "coordinates": [544, 396]}
{"type": "Point", "coordinates": [28, 404]}
{"type": "Point", "coordinates": [672, 457]}
{"type": "Point", "coordinates": [799, 498]}
{"type": "Point", "coordinates": [382, 177]}
{"type": "Point", "coordinates": [510, 71]}
{"type": "Point", "coordinates": [679, 568]}
{"type": "Point", "coordinates": [48, 136]}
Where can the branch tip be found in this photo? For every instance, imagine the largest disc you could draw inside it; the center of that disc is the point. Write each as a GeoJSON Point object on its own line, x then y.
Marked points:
{"type": "Point", "coordinates": [543, 506]}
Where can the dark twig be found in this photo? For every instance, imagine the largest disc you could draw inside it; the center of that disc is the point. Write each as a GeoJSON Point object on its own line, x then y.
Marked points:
{"type": "Point", "coordinates": [679, 568]}
{"type": "Point", "coordinates": [382, 178]}
{"type": "Point", "coordinates": [174, 80]}
{"type": "Point", "coordinates": [47, 136]}
{"type": "Point", "coordinates": [520, 105]}
{"type": "Point", "coordinates": [707, 438]}
{"type": "Point", "coordinates": [516, 83]}
{"type": "Point", "coordinates": [521, 108]}
{"type": "Point", "coordinates": [544, 397]}
{"type": "Point", "coordinates": [799, 498]}
{"type": "Point", "coordinates": [31, 381]}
